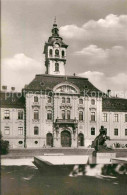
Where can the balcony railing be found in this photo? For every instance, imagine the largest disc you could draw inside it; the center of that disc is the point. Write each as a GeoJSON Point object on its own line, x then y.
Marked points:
{"type": "Point", "coordinates": [66, 121]}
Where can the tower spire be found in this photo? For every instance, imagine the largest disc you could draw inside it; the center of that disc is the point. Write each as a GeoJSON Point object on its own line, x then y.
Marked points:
{"type": "Point", "coordinates": [55, 20]}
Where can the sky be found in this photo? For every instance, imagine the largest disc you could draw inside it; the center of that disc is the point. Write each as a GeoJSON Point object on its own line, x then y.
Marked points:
{"type": "Point", "coordinates": [95, 30]}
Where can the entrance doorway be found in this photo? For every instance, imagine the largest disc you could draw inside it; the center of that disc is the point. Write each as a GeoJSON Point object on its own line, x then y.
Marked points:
{"type": "Point", "coordinates": [66, 139]}
{"type": "Point", "coordinates": [49, 139]}
{"type": "Point", "coordinates": [80, 139]}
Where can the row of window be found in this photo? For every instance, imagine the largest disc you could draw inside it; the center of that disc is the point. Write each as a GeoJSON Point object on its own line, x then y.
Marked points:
{"type": "Point", "coordinates": [7, 130]}
{"type": "Point", "coordinates": [66, 114]}
{"type": "Point", "coordinates": [57, 53]}
{"type": "Point", "coordinates": [36, 131]}
{"type": "Point", "coordinates": [116, 117]}
{"type": "Point", "coordinates": [7, 114]}
{"type": "Point", "coordinates": [49, 117]}
{"type": "Point", "coordinates": [64, 100]}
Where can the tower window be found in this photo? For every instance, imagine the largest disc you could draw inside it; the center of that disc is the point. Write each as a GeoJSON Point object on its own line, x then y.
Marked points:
{"type": "Point", "coordinates": [56, 67]}
{"type": "Point", "coordinates": [50, 52]}
{"type": "Point", "coordinates": [63, 53]}
{"type": "Point", "coordinates": [57, 52]}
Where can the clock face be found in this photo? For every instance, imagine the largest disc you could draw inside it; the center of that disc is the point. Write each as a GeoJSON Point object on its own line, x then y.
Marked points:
{"type": "Point", "coordinates": [56, 45]}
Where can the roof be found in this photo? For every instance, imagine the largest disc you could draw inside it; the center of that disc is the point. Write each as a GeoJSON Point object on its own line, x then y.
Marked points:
{"type": "Point", "coordinates": [44, 82]}
{"type": "Point", "coordinates": [114, 104]}
{"type": "Point", "coordinates": [11, 100]}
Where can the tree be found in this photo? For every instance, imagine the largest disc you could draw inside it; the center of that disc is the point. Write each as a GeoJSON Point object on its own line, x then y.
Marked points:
{"type": "Point", "coordinates": [4, 145]}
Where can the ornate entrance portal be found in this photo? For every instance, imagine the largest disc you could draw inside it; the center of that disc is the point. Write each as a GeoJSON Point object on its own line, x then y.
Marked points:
{"type": "Point", "coordinates": [66, 139]}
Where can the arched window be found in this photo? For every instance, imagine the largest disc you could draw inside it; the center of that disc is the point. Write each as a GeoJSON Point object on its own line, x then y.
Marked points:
{"type": "Point", "coordinates": [93, 102]}
{"type": "Point", "coordinates": [68, 114]}
{"type": "Point", "coordinates": [56, 52]}
{"type": "Point", "coordinates": [56, 67]}
{"type": "Point", "coordinates": [63, 53]}
{"type": "Point", "coordinates": [49, 115]}
{"type": "Point", "coordinates": [49, 99]}
{"type": "Point", "coordinates": [80, 101]}
{"type": "Point", "coordinates": [92, 131]}
{"type": "Point", "coordinates": [80, 139]}
{"type": "Point", "coordinates": [80, 115]}
{"type": "Point", "coordinates": [63, 99]}
{"type": "Point", "coordinates": [50, 52]}
{"type": "Point", "coordinates": [92, 116]}
{"type": "Point", "coordinates": [49, 139]}
{"type": "Point", "coordinates": [68, 100]}
{"type": "Point", "coordinates": [36, 114]}
{"type": "Point", "coordinates": [35, 99]}
{"type": "Point", "coordinates": [36, 130]}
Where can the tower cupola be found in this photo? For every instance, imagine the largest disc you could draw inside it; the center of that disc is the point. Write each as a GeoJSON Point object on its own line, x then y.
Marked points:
{"type": "Point", "coordinates": [55, 53]}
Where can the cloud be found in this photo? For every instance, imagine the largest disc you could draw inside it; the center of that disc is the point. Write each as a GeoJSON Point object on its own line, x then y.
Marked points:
{"type": "Point", "coordinates": [111, 28]}
{"type": "Point", "coordinates": [19, 70]}
{"type": "Point", "coordinates": [116, 83]}
{"type": "Point", "coordinates": [92, 51]}
{"type": "Point", "coordinates": [110, 61]}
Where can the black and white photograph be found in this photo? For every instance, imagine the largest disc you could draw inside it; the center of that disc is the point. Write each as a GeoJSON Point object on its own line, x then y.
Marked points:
{"type": "Point", "coordinates": [63, 97]}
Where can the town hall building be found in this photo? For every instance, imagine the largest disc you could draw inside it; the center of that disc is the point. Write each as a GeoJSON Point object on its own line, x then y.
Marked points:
{"type": "Point", "coordinates": [57, 110]}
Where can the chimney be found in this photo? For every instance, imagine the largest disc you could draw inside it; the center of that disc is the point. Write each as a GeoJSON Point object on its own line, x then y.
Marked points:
{"type": "Point", "coordinates": [108, 92]}
{"type": "Point", "coordinates": [12, 88]}
{"type": "Point", "coordinates": [4, 88]}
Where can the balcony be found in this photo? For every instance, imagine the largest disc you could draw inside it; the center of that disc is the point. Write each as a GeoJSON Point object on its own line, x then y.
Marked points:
{"type": "Point", "coordinates": [66, 121]}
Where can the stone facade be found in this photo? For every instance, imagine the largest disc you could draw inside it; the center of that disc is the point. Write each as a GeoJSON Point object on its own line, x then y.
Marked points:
{"type": "Point", "coordinates": [56, 110]}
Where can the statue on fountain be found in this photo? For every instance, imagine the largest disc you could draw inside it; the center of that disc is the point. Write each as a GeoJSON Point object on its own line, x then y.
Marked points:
{"type": "Point", "coordinates": [99, 142]}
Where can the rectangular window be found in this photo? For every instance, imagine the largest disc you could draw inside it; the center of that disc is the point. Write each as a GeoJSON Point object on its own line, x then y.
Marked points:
{"type": "Point", "coordinates": [6, 130]}
{"type": "Point", "coordinates": [63, 114]}
{"type": "Point", "coordinates": [20, 114]}
{"type": "Point", "coordinates": [20, 130]}
{"type": "Point", "coordinates": [116, 116]}
{"type": "Point", "coordinates": [68, 100]}
{"type": "Point", "coordinates": [49, 99]}
{"type": "Point", "coordinates": [92, 131]}
{"type": "Point", "coordinates": [36, 115]}
{"type": "Point", "coordinates": [68, 114]}
{"type": "Point", "coordinates": [6, 114]}
{"type": "Point", "coordinates": [125, 131]}
{"type": "Point", "coordinates": [92, 116]}
{"type": "Point", "coordinates": [116, 132]}
{"type": "Point", "coordinates": [49, 116]}
{"type": "Point", "coordinates": [104, 117]}
{"type": "Point", "coordinates": [35, 99]}
{"type": "Point", "coordinates": [125, 117]}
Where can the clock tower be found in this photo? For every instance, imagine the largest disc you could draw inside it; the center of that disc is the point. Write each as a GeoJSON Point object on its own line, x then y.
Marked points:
{"type": "Point", "coordinates": [55, 53]}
